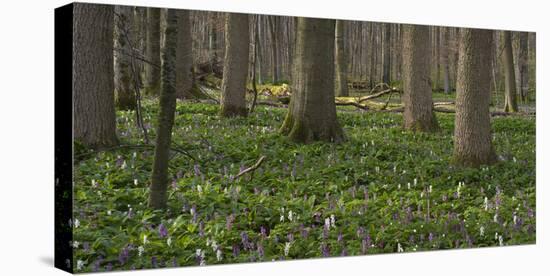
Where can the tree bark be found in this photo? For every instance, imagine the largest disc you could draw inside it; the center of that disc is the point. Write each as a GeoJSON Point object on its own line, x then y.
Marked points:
{"type": "Point", "coordinates": [94, 119]}
{"type": "Point", "coordinates": [159, 178]}
{"type": "Point", "coordinates": [124, 79]}
{"type": "Point", "coordinates": [341, 61]}
{"type": "Point", "coordinates": [510, 99]}
{"type": "Point", "coordinates": [387, 47]}
{"type": "Point", "coordinates": [417, 97]}
{"type": "Point", "coordinates": [523, 63]}
{"type": "Point", "coordinates": [235, 69]}
{"type": "Point", "coordinates": [445, 60]}
{"type": "Point", "coordinates": [152, 73]}
{"type": "Point", "coordinates": [473, 140]}
{"type": "Point", "coordinates": [312, 112]}
{"type": "Point", "coordinates": [184, 57]}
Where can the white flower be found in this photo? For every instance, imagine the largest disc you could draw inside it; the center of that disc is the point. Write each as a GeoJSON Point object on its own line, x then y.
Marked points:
{"type": "Point", "coordinates": [199, 189]}
{"type": "Point", "coordinates": [135, 182]}
{"type": "Point", "coordinates": [495, 218]}
{"type": "Point", "coordinates": [333, 221]}
{"type": "Point", "coordinates": [77, 223]}
{"type": "Point", "coordinates": [486, 203]}
{"type": "Point", "coordinates": [218, 255]}
{"type": "Point", "coordinates": [287, 248]}
{"type": "Point", "coordinates": [80, 264]}
{"type": "Point", "coordinates": [94, 183]}
{"type": "Point", "coordinates": [76, 244]}
{"type": "Point", "coordinates": [399, 248]}
{"type": "Point", "coordinates": [500, 241]}
{"type": "Point", "coordinates": [140, 250]}
{"type": "Point", "coordinates": [290, 215]}
{"type": "Point", "coordinates": [169, 241]}
{"type": "Point", "coordinates": [144, 239]}
{"type": "Point", "coordinates": [482, 231]}
{"type": "Point", "coordinates": [123, 166]}
{"type": "Point", "coordinates": [415, 181]}
{"type": "Point", "coordinates": [109, 212]}
{"type": "Point", "coordinates": [496, 235]}
{"type": "Point", "coordinates": [198, 252]}
{"type": "Point", "coordinates": [409, 185]}
{"type": "Point", "coordinates": [282, 218]}
{"type": "Point", "coordinates": [515, 219]}
{"type": "Point", "coordinates": [430, 189]}
{"type": "Point", "coordinates": [327, 223]}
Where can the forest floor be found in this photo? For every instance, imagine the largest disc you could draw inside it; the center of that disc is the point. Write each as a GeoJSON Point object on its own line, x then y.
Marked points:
{"type": "Point", "coordinates": [383, 190]}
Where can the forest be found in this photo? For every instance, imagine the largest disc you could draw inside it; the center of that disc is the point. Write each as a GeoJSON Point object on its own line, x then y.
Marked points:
{"type": "Point", "coordinates": [206, 138]}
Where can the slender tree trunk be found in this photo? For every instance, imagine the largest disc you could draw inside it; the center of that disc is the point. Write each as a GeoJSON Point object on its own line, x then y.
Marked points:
{"type": "Point", "coordinates": [274, 48]}
{"type": "Point", "coordinates": [418, 115]}
{"type": "Point", "coordinates": [235, 69]}
{"type": "Point", "coordinates": [510, 99]}
{"type": "Point", "coordinates": [387, 47]}
{"type": "Point", "coordinates": [312, 112]}
{"type": "Point", "coordinates": [445, 60]}
{"type": "Point", "coordinates": [159, 179]}
{"type": "Point", "coordinates": [523, 63]}
{"type": "Point", "coordinates": [152, 73]}
{"type": "Point", "coordinates": [437, 84]}
{"type": "Point", "coordinates": [94, 119]}
{"type": "Point", "coordinates": [341, 61]}
{"type": "Point", "coordinates": [184, 57]}
{"type": "Point", "coordinates": [259, 47]}
{"type": "Point", "coordinates": [125, 95]}
{"type": "Point", "coordinates": [372, 73]}
{"type": "Point", "coordinates": [473, 140]}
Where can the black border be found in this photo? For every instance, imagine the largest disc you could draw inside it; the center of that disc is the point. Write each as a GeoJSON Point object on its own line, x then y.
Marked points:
{"type": "Point", "coordinates": [63, 258]}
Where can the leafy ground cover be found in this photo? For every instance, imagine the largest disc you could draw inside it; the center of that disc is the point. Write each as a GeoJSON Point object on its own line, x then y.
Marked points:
{"type": "Point", "coordinates": [384, 190]}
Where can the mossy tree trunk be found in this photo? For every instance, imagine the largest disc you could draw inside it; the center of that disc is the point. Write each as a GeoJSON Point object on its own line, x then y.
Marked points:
{"type": "Point", "coordinates": [184, 58]}
{"type": "Point", "coordinates": [417, 98]}
{"type": "Point", "coordinates": [152, 68]}
{"type": "Point", "coordinates": [473, 140]}
{"type": "Point", "coordinates": [94, 120]}
{"type": "Point", "coordinates": [510, 98]}
{"type": "Point", "coordinates": [124, 79]}
{"type": "Point", "coordinates": [341, 61]}
{"type": "Point", "coordinates": [312, 112]}
{"type": "Point", "coordinates": [235, 67]}
{"type": "Point", "coordinates": [159, 179]}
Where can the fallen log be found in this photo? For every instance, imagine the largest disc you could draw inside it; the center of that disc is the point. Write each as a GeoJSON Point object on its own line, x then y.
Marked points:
{"type": "Point", "coordinates": [352, 104]}
{"type": "Point", "coordinates": [378, 95]}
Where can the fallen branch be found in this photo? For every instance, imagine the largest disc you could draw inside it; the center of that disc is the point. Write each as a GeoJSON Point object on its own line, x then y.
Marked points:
{"type": "Point", "coordinates": [352, 104]}
{"type": "Point", "coordinates": [444, 103]}
{"type": "Point", "coordinates": [251, 169]}
{"type": "Point", "coordinates": [378, 95]}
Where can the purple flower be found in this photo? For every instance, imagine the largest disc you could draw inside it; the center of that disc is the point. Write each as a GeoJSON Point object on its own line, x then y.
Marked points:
{"type": "Point", "coordinates": [290, 237]}
{"type": "Point", "coordinates": [244, 240]}
{"type": "Point", "coordinates": [229, 221]}
{"type": "Point", "coordinates": [263, 232]}
{"type": "Point", "coordinates": [325, 250]}
{"type": "Point", "coordinates": [340, 237]}
{"type": "Point", "coordinates": [360, 232]}
{"type": "Point", "coordinates": [260, 250]}
{"type": "Point", "coordinates": [154, 261]}
{"type": "Point", "coordinates": [201, 229]}
{"type": "Point", "coordinates": [124, 255]}
{"type": "Point", "coordinates": [174, 262]}
{"type": "Point", "coordinates": [197, 170]}
{"type": "Point", "coordinates": [163, 232]}
{"type": "Point", "coordinates": [431, 237]}
{"type": "Point", "coordinates": [236, 250]}
{"type": "Point", "coordinates": [109, 267]}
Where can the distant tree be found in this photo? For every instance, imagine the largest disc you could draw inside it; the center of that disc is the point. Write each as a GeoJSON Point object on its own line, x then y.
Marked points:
{"type": "Point", "coordinates": [445, 59]}
{"type": "Point", "coordinates": [93, 81]}
{"type": "Point", "coordinates": [510, 99]}
{"type": "Point", "coordinates": [523, 63]}
{"type": "Point", "coordinates": [152, 72]}
{"type": "Point", "coordinates": [159, 179]}
{"type": "Point", "coordinates": [124, 78]}
{"type": "Point", "coordinates": [312, 113]}
{"type": "Point", "coordinates": [417, 98]}
{"type": "Point", "coordinates": [341, 61]}
{"type": "Point", "coordinates": [235, 69]}
{"type": "Point", "coordinates": [473, 140]}
{"type": "Point", "coordinates": [386, 55]}
{"type": "Point", "coordinates": [184, 58]}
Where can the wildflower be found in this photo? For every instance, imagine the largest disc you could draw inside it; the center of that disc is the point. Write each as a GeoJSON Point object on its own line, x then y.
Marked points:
{"type": "Point", "coordinates": [290, 217]}
{"type": "Point", "coordinates": [482, 231]}
{"type": "Point", "coordinates": [399, 248]}
{"type": "Point", "coordinates": [80, 264]}
{"type": "Point", "coordinates": [163, 232]}
{"type": "Point", "coordinates": [229, 221]}
{"type": "Point", "coordinates": [430, 189]}
{"type": "Point", "coordinates": [77, 223]}
{"type": "Point", "coordinates": [169, 241]}
{"type": "Point", "coordinates": [327, 223]}
{"type": "Point", "coordinates": [140, 250]}
{"type": "Point", "coordinates": [287, 248]}
{"type": "Point", "coordinates": [199, 190]}
{"type": "Point", "coordinates": [260, 250]}
{"type": "Point", "coordinates": [154, 261]}
{"type": "Point", "coordinates": [486, 203]}
{"type": "Point", "coordinates": [144, 239]}
{"type": "Point", "coordinates": [124, 255]}
{"type": "Point", "coordinates": [76, 244]}
{"type": "Point", "coordinates": [236, 250]}
{"type": "Point", "coordinates": [415, 181]}
{"type": "Point", "coordinates": [500, 240]}
{"type": "Point", "coordinates": [333, 221]}
{"type": "Point", "coordinates": [109, 212]}
{"type": "Point", "coordinates": [325, 250]}
{"type": "Point", "coordinates": [94, 183]}
{"type": "Point", "coordinates": [135, 182]}
{"type": "Point", "coordinates": [218, 254]}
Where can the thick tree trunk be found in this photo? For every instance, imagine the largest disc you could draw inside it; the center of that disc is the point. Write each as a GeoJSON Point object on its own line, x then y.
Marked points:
{"type": "Point", "coordinates": [437, 83]}
{"type": "Point", "coordinates": [523, 63]}
{"type": "Point", "coordinates": [235, 69]}
{"type": "Point", "coordinates": [510, 99]}
{"type": "Point", "coordinates": [184, 57]}
{"type": "Point", "coordinates": [341, 61]}
{"type": "Point", "coordinates": [159, 179]}
{"type": "Point", "coordinates": [387, 47]}
{"type": "Point", "coordinates": [152, 73]}
{"type": "Point", "coordinates": [94, 119]}
{"type": "Point", "coordinates": [312, 112]}
{"type": "Point", "coordinates": [417, 97]}
{"type": "Point", "coordinates": [124, 77]}
{"type": "Point", "coordinates": [473, 140]}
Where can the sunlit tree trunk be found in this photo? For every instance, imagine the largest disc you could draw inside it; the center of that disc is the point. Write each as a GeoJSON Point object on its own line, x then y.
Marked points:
{"type": "Point", "coordinates": [94, 119]}
{"type": "Point", "coordinates": [312, 112]}
{"type": "Point", "coordinates": [473, 140]}
{"type": "Point", "coordinates": [510, 98]}
{"type": "Point", "coordinates": [159, 178]}
{"type": "Point", "coordinates": [235, 69]}
{"type": "Point", "coordinates": [417, 97]}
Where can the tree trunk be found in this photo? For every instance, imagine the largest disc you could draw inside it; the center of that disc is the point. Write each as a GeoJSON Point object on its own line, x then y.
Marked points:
{"type": "Point", "coordinates": [437, 84]}
{"type": "Point", "coordinates": [473, 140]}
{"type": "Point", "coordinates": [152, 73]}
{"type": "Point", "coordinates": [523, 63]}
{"type": "Point", "coordinates": [159, 178]}
{"type": "Point", "coordinates": [445, 60]}
{"type": "Point", "coordinates": [387, 47]}
{"type": "Point", "coordinates": [510, 99]}
{"type": "Point", "coordinates": [124, 79]}
{"type": "Point", "coordinates": [235, 68]}
{"type": "Point", "coordinates": [372, 72]}
{"type": "Point", "coordinates": [417, 98]}
{"type": "Point", "coordinates": [274, 48]}
{"type": "Point", "coordinates": [312, 112]}
{"type": "Point", "coordinates": [341, 61]}
{"type": "Point", "coordinates": [93, 81]}
{"type": "Point", "coordinates": [184, 57]}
